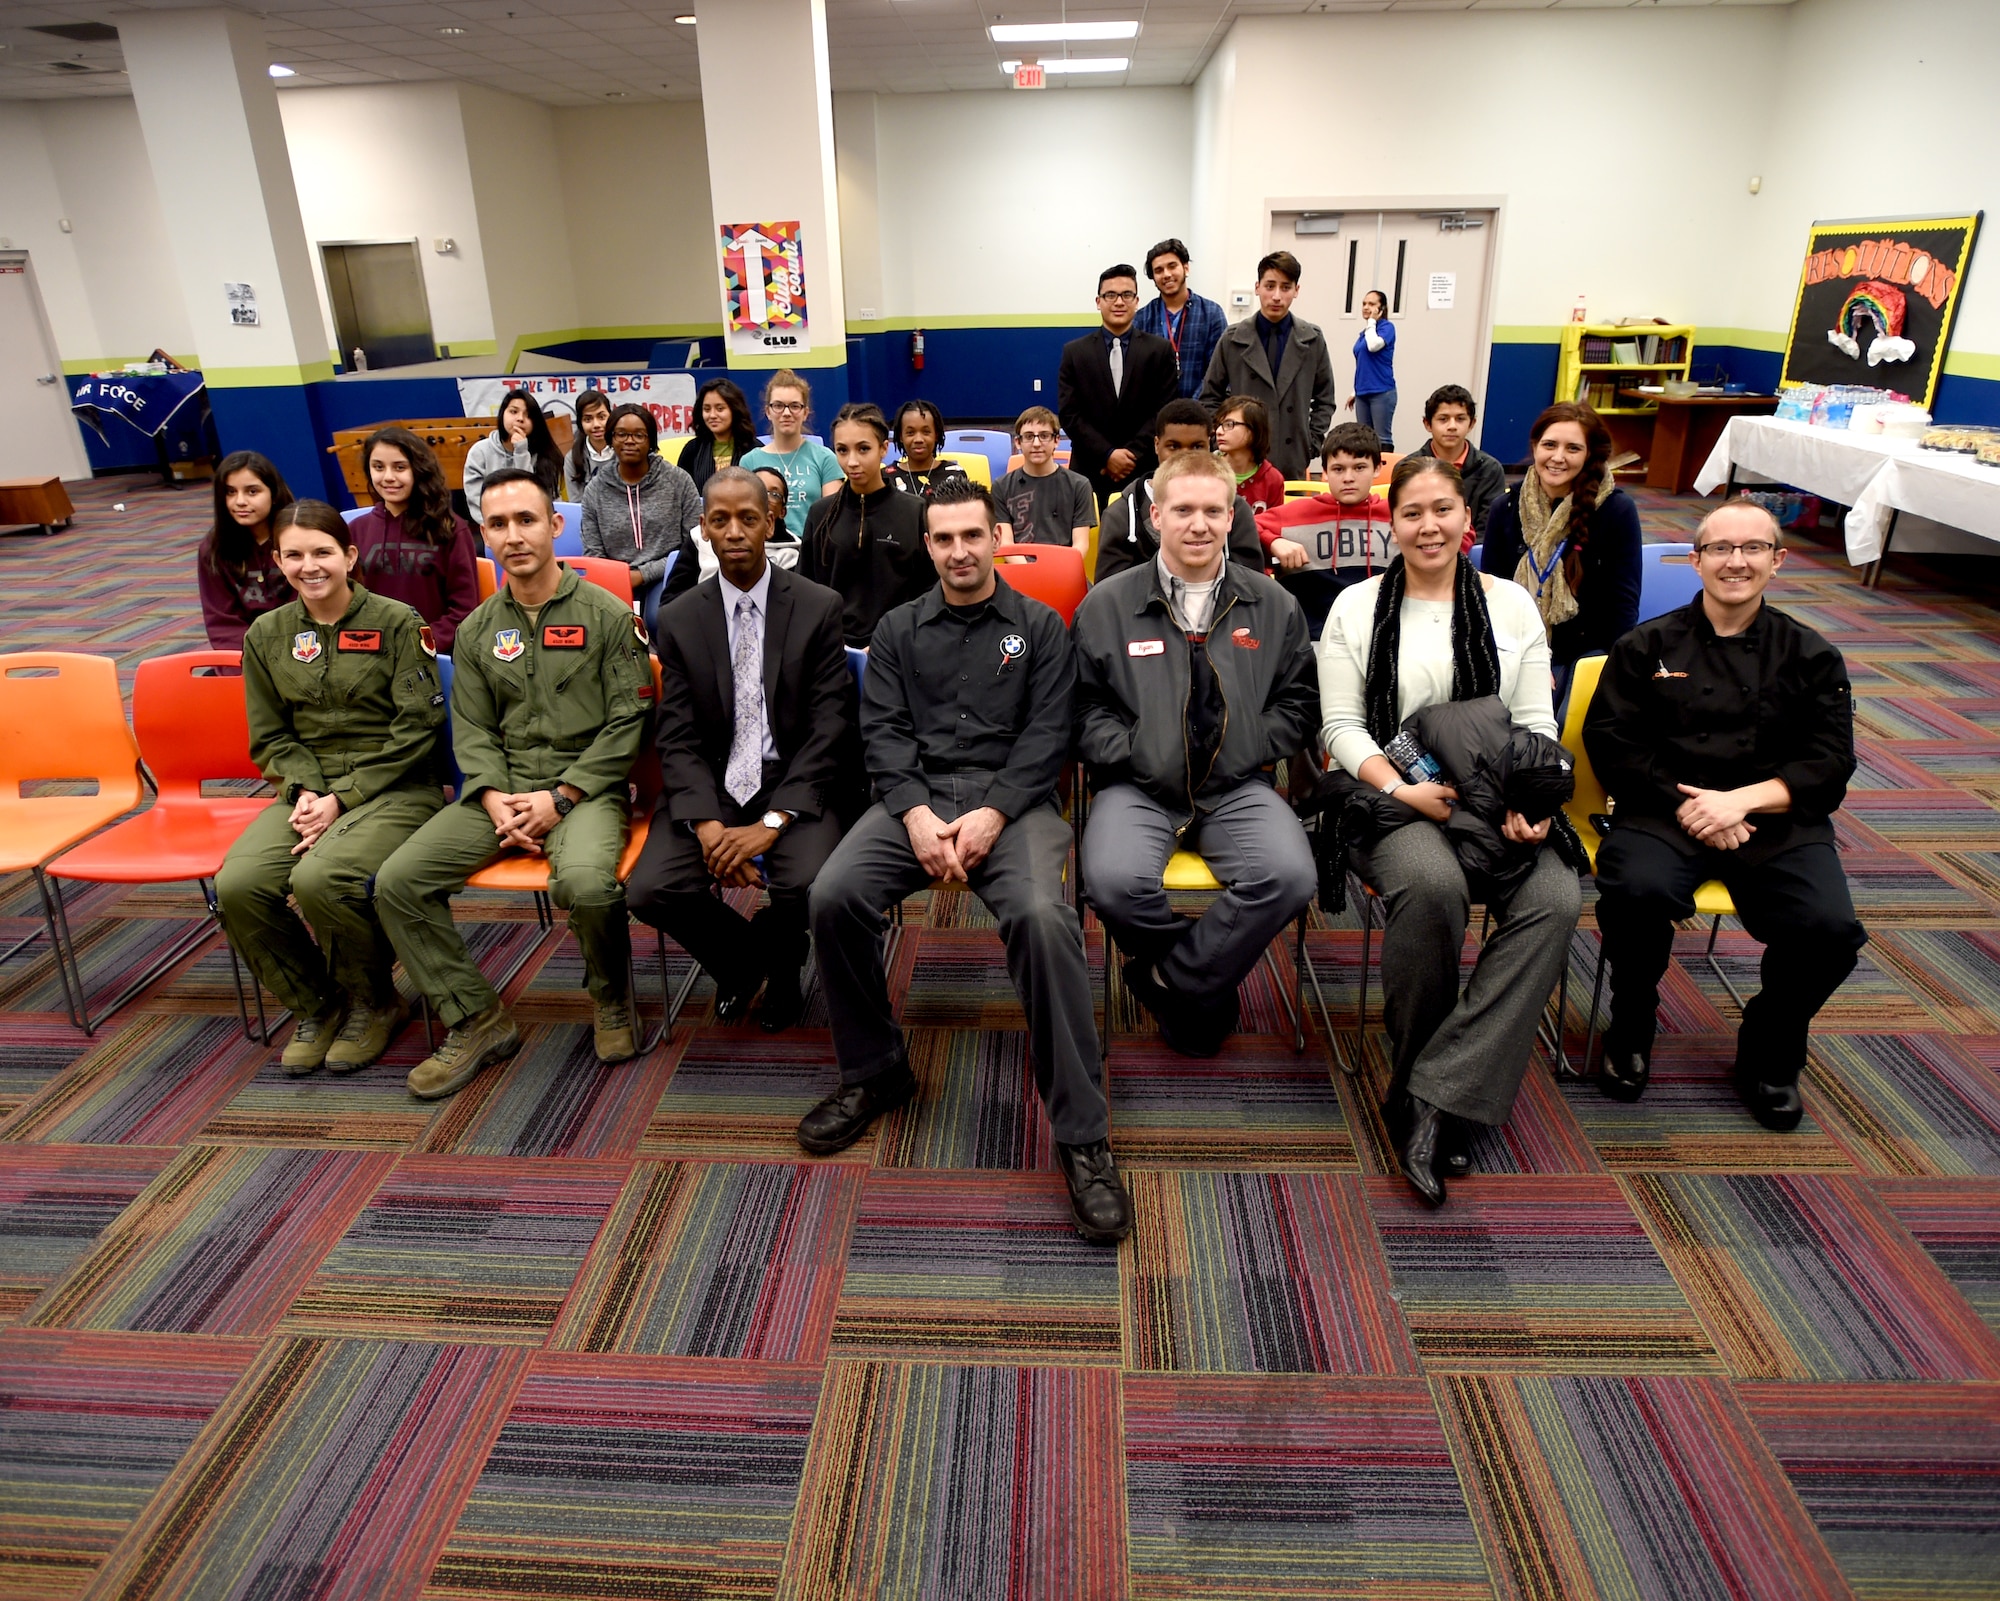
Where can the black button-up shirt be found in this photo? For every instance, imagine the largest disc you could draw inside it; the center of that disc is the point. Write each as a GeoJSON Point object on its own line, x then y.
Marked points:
{"type": "Point", "coordinates": [1680, 704]}
{"type": "Point", "coordinates": [953, 689]}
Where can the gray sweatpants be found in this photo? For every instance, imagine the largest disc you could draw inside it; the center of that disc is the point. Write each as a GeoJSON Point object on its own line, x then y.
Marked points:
{"type": "Point", "coordinates": [1021, 882]}
{"type": "Point", "coordinates": [1253, 844]}
{"type": "Point", "coordinates": [1465, 1054]}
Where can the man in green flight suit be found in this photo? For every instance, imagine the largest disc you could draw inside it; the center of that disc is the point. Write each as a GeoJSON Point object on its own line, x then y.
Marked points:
{"type": "Point", "coordinates": [550, 693]}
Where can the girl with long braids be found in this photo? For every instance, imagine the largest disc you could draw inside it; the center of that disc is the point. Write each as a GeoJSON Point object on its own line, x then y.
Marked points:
{"type": "Point", "coordinates": [413, 546]}
{"type": "Point", "coordinates": [1429, 630]}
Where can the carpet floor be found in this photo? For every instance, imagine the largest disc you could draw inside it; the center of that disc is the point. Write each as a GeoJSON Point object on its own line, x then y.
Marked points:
{"type": "Point", "coordinates": [585, 1332]}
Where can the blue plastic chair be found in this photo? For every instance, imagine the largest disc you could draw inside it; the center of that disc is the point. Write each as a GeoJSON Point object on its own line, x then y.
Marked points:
{"type": "Point", "coordinates": [354, 516]}
{"type": "Point", "coordinates": [1473, 556]}
{"type": "Point", "coordinates": [570, 541]}
{"type": "Point", "coordinates": [450, 754]}
{"type": "Point", "coordinates": [1668, 579]}
{"type": "Point", "coordinates": [992, 443]}
{"type": "Point", "coordinates": [857, 664]}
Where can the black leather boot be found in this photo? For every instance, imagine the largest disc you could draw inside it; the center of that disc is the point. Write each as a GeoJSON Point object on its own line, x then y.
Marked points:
{"type": "Point", "coordinates": [843, 1117]}
{"type": "Point", "coordinates": [1419, 1151]}
{"type": "Point", "coordinates": [1096, 1192]}
{"type": "Point", "coordinates": [1776, 1106]}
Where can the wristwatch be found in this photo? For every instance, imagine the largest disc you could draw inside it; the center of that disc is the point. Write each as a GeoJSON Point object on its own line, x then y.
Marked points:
{"type": "Point", "coordinates": [1392, 786]}
{"type": "Point", "coordinates": [777, 822]}
{"type": "Point", "coordinates": [564, 805]}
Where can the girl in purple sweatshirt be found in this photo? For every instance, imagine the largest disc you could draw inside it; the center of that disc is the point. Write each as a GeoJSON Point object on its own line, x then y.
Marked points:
{"type": "Point", "coordinates": [414, 547]}
{"type": "Point", "coordinates": [236, 571]}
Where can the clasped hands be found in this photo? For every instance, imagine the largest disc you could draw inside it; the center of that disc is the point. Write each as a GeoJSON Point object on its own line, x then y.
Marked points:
{"type": "Point", "coordinates": [523, 820]}
{"type": "Point", "coordinates": [731, 853]}
{"type": "Point", "coordinates": [1435, 802]}
{"type": "Point", "coordinates": [1716, 817]}
{"type": "Point", "coordinates": [312, 815]}
{"type": "Point", "coordinates": [952, 850]}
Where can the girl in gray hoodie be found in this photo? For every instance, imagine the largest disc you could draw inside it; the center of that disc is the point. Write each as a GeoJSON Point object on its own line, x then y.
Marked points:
{"type": "Point", "coordinates": [640, 511]}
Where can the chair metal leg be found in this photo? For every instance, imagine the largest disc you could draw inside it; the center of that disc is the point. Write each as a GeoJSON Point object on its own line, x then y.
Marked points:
{"type": "Point", "coordinates": [1302, 959]}
{"type": "Point", "coordinates": [1590, 1027]}
{"type": "Point", "coordinates": [58, 926]}
{"type": "Point", "coordinates": [1291, 1000]}
{"type": "Point", "coordinates": [179, 951]}
{"type": "Point", "coordinates": [1557, 1050]}
{"type": "Point", "coordinates": [686, 989]}
{"type": "Point", "coordinates": [1110, 1025]}
{"type": "Point", "coordinates": [1715, 967]}
{"type": "Point", "coordinates": [263, 1034]}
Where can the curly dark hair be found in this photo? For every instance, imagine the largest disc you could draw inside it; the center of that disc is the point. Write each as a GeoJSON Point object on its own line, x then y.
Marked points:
{"type": "Point", "coordinates": [428, 516]}
{"type": "Point", "coordinates": [229, 546]}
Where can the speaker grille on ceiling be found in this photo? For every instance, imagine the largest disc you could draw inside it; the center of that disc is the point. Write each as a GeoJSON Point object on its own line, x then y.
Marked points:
{"type": "Point", "coordinates": [80, 32]}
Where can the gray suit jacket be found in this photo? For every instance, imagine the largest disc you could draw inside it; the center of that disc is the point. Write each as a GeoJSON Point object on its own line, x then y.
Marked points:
{"type": "Point", "coordinates": [1300, 398]}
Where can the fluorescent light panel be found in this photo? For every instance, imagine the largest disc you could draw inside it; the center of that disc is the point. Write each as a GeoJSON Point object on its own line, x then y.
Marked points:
{"type": "Point", "coordinates": [1056, 32]}
{"type": "Point", "coordinates": [279, 71]}
{"type": "Point", "coordinates": [1076, 64]}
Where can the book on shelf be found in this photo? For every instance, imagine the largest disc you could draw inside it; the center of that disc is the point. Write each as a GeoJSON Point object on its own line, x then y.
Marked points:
{"type": "Point", "coordinates": [1625, 352]}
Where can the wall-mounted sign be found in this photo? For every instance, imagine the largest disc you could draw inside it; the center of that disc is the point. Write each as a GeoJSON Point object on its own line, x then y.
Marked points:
{"type": "Point", "coordinates": [1031, 75]}
{"type": "Point", "coordinates": [242, 304]}
{"type": "Point", "coordinates": [764, 288]}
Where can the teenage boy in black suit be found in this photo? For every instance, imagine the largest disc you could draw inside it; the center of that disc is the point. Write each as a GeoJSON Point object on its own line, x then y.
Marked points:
{"type": "Point", "coordinates": [758, 735]}
{"type": "Point", "coordinates": [1111, 385]}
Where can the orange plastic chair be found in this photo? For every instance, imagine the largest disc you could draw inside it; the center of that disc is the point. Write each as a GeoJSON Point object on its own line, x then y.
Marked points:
{"type": "Point", "coordinates": [489, 577]}
{"type": "Point", "coordinates": [61, 717]}
{"type": "Point", "coordinates": [1052, 574]}
{"type": "Point", "coordinates": [189, 714]}
{"type": "Point", "coordinates": [602, 571]}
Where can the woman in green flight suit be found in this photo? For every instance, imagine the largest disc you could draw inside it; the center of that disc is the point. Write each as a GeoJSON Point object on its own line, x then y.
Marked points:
{"type": "Point", "coordinates": [345, 707]}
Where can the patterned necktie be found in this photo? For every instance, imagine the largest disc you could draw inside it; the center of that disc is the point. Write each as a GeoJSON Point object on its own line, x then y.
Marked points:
{"type": "Point", "coordinates": [1117, 367]}
{"type": "Point", "coordinates": [745, 774]}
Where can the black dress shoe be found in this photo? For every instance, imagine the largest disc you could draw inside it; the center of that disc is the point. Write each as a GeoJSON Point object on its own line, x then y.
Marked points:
{"type": "Point", "coordinates": [1167, 1009]}
{"type": "Point", "coordinates": [1096, 1192]}
{"type": "Point", "coordinates": [783, 1005]}
{"type": "Point", "coordinates": [1213, 1018]}
{"type": "Point", "coordinates": [734, 998]}
{"type": "Point", "coordinates": [1623, 1074]}
{"type": "Point", "coordinates": [1419, 1152]}
{"type": "Point", "coordinates": [843, 1117]}
{"type": "Point", "coordinates": [1776, 1106]}
{"type": "Point", "coordinates": [1455, 1148]}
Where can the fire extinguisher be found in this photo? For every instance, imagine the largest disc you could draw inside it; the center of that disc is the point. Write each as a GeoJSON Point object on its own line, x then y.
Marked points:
{"type": "Point", "coordinates": [917, 351]}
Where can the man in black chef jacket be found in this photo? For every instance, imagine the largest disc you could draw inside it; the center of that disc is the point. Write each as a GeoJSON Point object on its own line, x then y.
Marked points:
{"type": "Point", "coordinates": [965, 718]}
{"type": "Point", "coordinates": [1724, 732]}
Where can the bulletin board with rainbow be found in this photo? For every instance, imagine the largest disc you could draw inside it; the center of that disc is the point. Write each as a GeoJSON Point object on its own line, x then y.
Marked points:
{"type": "Point", "coordinates": [1877, 300]}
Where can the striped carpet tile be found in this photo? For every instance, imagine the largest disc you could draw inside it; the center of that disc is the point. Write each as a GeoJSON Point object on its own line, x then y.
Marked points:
{"type": "Point", "coordinates": [1294, 1487]}
{"type": "Point", "coordinates": [1958, 1224]}
{"type": "Point", "coordinates": [220, 1242]}
{"type": "Point", "coordinates": [942, 1483]}
{"type": "Point", "coordinates": [37, 1049]}
{"type": "Point", "coordinates": [1902, 1481]}
{"type": "Point", "coordinates": [1541, 1134]}
{"type": "Point", "coordinates": [1543, 1274]}
{"type": "Point", "coordinates": [1878, 996]}
{"type": "Point", "coordinates": [155, 1081]}
{"type": "Point", "coordinates": [976, 1105]}
{"type": "Point", "coordinates": [1257, 1105]}
{"type": "Point", "coordinates": [1893, 889]}
{"type": "Point", "coordinates": [461, 1248]}
{"type": "Point", "coordinates": [334, 1470]}
{"type": "Point", "coordinates": [1938, 819]}
{"type": "Point", "coordinates": [979, 1267]}
{"type": "Point", "coordinates": [111, 951]}
{"type": "Point", "coordinates": [1913, 718]}
{"type": "Point", "coordinates": [1258, 1273]}
{"type": "Point", "coordinates": [1977, 870]}
{"type": "Point", "coordinates": [55, 1200]}
{"type": "Point", "coordinates": [90, 1427]}
{"type": "Point", "coordinates": [1954, 972]}
{"type": "Point", "coordinates": [554, 1098]}
{"type": "Point", "coordinates": [371, 1110]}
{"type": "Point", "coordinates": [716, 1259]}
{"type": "Point", "coordinates": [623, 1480]}
{"type": "Point", "coordinates": [1588, 1487]}
{"type": "Point", "coordinates": [742, 1097]}
{"type": "Point", "coordinates": [959, 980]}
{"type": "Point", "coordinates": [1803, 1276]}
{"type": "Point", "coordinates": [1691, 1118]}
{"type": "Point", "coordinates": [1908, 1104]}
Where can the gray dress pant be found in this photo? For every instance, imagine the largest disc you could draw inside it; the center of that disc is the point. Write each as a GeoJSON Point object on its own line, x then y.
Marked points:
{"type": "Point", "coordinates": [1253, 844]}
{"type": "Point", "coordinates": [1465, 1054]}
{"type": "Point", "coordinates": [1021, 882]}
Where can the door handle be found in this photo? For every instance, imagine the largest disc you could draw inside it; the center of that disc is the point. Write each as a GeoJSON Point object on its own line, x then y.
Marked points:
{"type": "Point", "coordinates": [46, 378]}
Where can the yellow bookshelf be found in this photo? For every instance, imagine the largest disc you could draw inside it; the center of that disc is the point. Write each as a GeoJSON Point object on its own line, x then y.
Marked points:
{"type": "Point", "coordinates": [1604, 364]}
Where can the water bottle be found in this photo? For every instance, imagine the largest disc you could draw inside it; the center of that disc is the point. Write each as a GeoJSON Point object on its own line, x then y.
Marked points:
{"type": "Point", "coordinates": [1417, 765]}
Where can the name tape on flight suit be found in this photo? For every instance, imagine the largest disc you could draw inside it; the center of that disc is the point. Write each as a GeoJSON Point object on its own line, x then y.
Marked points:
{"type": "Point", "coordinates": [367, 639]}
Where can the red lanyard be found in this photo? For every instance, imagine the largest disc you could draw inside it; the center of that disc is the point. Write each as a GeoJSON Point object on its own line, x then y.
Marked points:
{"type": "Point", "coordinates": [1174, 326]}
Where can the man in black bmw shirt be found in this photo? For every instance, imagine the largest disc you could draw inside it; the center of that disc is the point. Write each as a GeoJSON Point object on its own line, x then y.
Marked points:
{"type": "Point", "coordinates": [965, 717]}
{"type": "Point", "coordinates": [1724, 732]}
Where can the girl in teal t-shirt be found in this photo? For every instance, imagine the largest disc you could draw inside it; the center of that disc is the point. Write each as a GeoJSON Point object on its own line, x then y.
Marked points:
{"type": "Point", "coordinates": [807, 468]}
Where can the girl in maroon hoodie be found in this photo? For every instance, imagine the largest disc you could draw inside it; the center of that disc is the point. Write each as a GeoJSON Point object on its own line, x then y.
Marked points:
{"type": "Point", "coordinates": [414, 547]}
{"type": "Point", "coordinates": [237, 569]}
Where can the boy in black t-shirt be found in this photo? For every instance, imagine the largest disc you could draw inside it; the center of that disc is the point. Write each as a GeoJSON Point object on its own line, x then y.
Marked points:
{"type": "Point", "coordinates": [1041, 503]}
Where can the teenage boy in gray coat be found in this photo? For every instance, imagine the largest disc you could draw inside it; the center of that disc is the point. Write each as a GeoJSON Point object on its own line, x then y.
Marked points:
{"type": "Point", "coordinates": [1281, 360]}
{"type": "Point", "coordinates": [1194, 676]}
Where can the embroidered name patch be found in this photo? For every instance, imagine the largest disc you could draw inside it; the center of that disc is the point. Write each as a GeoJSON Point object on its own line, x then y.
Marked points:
{"type": "Point", "coordinates": [1244, 639]}
{"type": "Point", "coordinates": [1146, 647]}
{"type": "Point", "coordinates": [305, 647]}
{"type": "Point", "coordinates": [562, 636]}
{"type": "Point", "coordinates": [365, 639]}
{"type": "Point", "coordinates": [507, 644]}
{"type": "Point", "coordinates": [1664, 672]}
{"type": "Point", "coordinates": [427, 640]}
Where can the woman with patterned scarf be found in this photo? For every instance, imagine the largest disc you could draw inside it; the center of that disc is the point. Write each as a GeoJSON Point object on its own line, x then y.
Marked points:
{"type": "Point", "coordinates": [1569, 536]}
{"type": "Point", "coordinates": [1430, 630]}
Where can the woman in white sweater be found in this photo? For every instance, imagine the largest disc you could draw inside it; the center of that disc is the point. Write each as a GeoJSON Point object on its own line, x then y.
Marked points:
{"type": "Point", "coordinates": [1432, 629]}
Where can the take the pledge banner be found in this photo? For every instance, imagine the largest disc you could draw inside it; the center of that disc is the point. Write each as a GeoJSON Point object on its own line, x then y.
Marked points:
{"type": "Point", "coordinates": [764, 288]}
{"type": "Point", "coordinates": [669, 396]}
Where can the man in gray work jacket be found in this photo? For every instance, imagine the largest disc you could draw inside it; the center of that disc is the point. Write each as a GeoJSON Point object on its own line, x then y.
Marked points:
{"type": "Point", "coordinates": [1194, 676]}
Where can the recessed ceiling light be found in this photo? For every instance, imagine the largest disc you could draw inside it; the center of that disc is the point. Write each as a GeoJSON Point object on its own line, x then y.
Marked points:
{"type": "Point", "coordinates": [685, 19]}
{"type": "Point", "coordinates": [280, 71]}
{"type": "Point", "coordinates": [1040, 32]}
{"type": "Point", "coordinates": [614, 94]}
{"type": "Point", "coordinates": [452, 32]}
{"type": "Point", "coordinates": [1076, 64]}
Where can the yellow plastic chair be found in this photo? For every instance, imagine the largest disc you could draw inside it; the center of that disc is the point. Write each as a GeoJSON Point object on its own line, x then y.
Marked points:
{"type": "Point", "coordinates": [671, 447]}
{"type": "Point", "coordinates": [1299, 488]}
{"type": "Point", "coordinates": [976, 466]}
{"type": "Point", "coordinates": [1711, 898]}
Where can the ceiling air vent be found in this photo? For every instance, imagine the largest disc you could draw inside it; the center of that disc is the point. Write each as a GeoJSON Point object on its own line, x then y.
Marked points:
{"type": "Point", "coordinates": [80, 32]}
{"type": "Point", "coordinates": [63, 69]}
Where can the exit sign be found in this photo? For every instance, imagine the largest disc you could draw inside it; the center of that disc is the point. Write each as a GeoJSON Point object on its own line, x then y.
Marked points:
{"type": "Point", "coordinates": [1029, 75]}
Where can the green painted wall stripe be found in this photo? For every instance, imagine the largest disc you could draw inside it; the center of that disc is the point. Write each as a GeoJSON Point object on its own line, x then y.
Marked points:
{"type": "Point", "coordinates": [318, 372]}
{"type": "Point", "coordinates": [896, 325]}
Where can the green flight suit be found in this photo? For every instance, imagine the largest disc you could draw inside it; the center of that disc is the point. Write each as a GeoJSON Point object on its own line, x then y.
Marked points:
{"type": "Point", "coordinates": [561, 700]}
{"type": "Point", "coordinates": [352, 710]}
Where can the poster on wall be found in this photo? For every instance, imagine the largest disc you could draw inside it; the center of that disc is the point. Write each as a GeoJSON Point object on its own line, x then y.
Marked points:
{"type": "Point", "coordinates": [669, 396]}
{"type": "Point", "coordinates": [763, 288]}
{"type": "Point", "coordinates": [1877, 300]}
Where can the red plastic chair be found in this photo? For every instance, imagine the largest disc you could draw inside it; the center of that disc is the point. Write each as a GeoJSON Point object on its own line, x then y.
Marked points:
{"type": "Point", "coordinates": [602, 571]}
{"type": "Point", "coordinates": [189, 715]}
{"type": "Point", "coordinates": [1052, 574]}
{"type": "Point", "coordinates": [61, 717]}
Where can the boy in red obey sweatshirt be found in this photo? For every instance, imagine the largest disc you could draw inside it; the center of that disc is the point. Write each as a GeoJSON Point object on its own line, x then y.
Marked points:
{"type": "Point", "coordinates": [1319, 545]}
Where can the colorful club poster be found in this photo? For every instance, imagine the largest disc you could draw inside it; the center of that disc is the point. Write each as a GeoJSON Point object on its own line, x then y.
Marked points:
{"type": "Point", "coordinates": [764, 288]}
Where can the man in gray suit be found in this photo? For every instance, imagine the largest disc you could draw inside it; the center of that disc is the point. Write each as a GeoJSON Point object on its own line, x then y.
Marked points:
{"type": "Point", "coordinates": [1281, 360]}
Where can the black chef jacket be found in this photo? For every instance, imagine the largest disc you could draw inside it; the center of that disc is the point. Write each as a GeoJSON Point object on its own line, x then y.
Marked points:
{"type": "Point", "coordinates": [1678, 704]}
{"type": "Point", "coordinates": [982, 688]}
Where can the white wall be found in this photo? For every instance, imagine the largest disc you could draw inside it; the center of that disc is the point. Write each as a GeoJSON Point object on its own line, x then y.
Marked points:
{"type": "Point", "coordinates": [641, 235]}
{"type": "Point", "coordinates": [523, 221]}
{"type": "Point", "coordinates": [31, 208]}
{"type": "Point", "coordinates": [1002, 206]}
{"type": "Point", "coordinates": [389, 162]}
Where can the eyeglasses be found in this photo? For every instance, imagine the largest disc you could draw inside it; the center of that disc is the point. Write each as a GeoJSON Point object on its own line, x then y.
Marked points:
{"type": "Point", "coordinates": [1753, 548]}
{"type": "Point", "coordinates": [1119, 297]}
{"type": "Point", "coordinates": [1036, 439]}
{"type": "Point", "coordinates": [1231, 422]}
{"type": "Point", "coordinates": [785, 405]}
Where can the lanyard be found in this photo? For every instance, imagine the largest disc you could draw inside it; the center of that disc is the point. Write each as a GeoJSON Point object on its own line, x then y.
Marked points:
{"type": "Point", "coordinates": [1543, 574]}
{"type": "Point", "coordinates": [1174, 326]}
